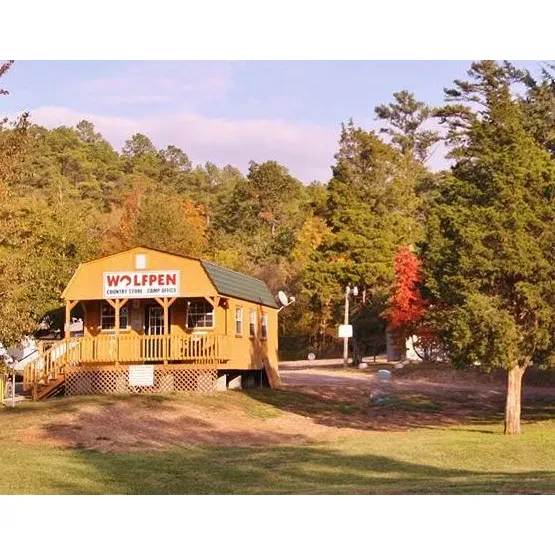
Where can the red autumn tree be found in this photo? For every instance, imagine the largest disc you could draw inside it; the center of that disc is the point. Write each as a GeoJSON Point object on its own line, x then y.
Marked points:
{"type": "Point", "coordinates": [406, 306]}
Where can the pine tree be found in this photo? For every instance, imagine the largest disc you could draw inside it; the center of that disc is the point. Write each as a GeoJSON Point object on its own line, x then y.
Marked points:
{"type": "Point", "coordinates": [370, 211]}
{"type": "Point", "coordinates": [4, 68]}
{"type": "Point", "coordinates": [538, 104]}
{"type": "Point", "coordinates": [489, 258]}
{"type": "Point", "coordinates": [406, 117]}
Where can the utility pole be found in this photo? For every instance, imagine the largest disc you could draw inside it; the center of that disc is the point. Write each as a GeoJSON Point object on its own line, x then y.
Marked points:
{"type": "Point", "coordinates": [346, 322]}
{"type": "Point", "coordinates": [348, 291]}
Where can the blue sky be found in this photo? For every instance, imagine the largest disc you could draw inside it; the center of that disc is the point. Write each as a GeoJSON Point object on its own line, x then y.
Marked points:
{"type": "Point", "coordinates": [226, 112]}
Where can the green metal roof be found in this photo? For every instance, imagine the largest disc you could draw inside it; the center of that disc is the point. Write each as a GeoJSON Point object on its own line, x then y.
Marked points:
{"type": "Point", "coordinates": [233, 284]}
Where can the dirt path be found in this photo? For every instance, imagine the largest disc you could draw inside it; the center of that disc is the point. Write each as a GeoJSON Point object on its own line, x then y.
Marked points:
{"type": "Point", "coordinates": [417, 381]}
{"type": "Point", "coordinates": [322, 377]}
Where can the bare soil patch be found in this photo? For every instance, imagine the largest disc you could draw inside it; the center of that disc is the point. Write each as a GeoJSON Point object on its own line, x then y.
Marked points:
{"type": "Point", "coordinates": [137, 424]}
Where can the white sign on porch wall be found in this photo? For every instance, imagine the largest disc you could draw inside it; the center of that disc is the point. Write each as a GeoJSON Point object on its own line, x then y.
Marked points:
{"type": "Point", "coordinates": [137, 285]}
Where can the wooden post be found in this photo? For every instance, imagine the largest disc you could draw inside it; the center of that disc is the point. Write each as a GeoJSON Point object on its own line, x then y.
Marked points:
{"type": "Point", "coordinates": [165, 353]}
{"type": "Point", "coordinates": [67, 332]}
{"type": "Point", "coordinates": [167, 329]}
{"type": "Point", "coordinates": [165, 303]}
{"type": "Point", "coordinates": [117, 304]}
{"type": "Point", "coordinates": [68, 320]}
{"type": "Point", "coordinates": [122, 303]}
{"type": "Point", "coordinates": [69, 306]}
{"type": "Point", "coordinates": [116, 307]}
{"type": "Point", "coordinates": [346, 339]}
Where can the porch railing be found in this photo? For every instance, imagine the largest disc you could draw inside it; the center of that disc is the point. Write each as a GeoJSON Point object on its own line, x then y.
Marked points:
{"type": "Point", "coordinates": [150, 348]}
{"type": "Point", "coordinates": [198, 349]}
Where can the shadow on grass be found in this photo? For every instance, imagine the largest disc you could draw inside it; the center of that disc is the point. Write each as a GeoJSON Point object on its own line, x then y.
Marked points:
{"type": "Point", "coordinates": [350, 407]}
{"type": "Point", "coordinates": [401, 411]}
{"type": "Point", "coordinates": [475, 431]}
{"type": "Point", "coordinates": [283, 470]}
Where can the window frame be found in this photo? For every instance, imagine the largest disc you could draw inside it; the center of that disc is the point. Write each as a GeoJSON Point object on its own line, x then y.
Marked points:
{"type": "Point", "coordinates": [252, 323]}
{"type": "Point", "coordinates": [264, 325]}
{"type": "Point", "coordinates": [212, 313]}
{"type": "Point", "coordinates": [105, 306]}
{"type": "Point", "coordinates": [239, 310]}
{"type": "Point", "coordinates": [140, 261]}
{"type": "Point", "coordinates": [125, 318]}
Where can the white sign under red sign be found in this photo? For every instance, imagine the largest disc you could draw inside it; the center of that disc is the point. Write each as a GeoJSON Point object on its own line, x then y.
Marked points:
{"type": "Point", "coordinates": [137, 285]}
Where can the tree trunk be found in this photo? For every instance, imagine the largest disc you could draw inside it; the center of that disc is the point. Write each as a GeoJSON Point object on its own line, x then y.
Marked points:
{"type": "Point", "coordinates": [514, 395]}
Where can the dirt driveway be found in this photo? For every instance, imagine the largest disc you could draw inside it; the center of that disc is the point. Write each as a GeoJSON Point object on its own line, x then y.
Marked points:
{"type": "Point", "coordinates": [420, 397]}
{"type": "Point", "coordinates": [433, 382]}
{"type": "Point", "coordinates": [321, 377]}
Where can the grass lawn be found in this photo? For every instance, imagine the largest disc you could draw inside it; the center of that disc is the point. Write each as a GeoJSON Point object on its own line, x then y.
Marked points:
{"type": "Point", "coordinates": [461, 459]}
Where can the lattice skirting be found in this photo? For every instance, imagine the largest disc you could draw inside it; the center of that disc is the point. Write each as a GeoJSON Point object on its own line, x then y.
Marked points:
{"type": "Point", "coordinates": [115, 381]}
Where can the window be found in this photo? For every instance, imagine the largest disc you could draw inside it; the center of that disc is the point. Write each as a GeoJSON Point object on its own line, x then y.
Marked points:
{"type": "Point", "coordinates": [140, 261]}
{"type": "Point", "coordinates": [154, 324]}
{"type": "Point", "coordinates": [123, 318]}
{"type": "Point", "coordinates": [108, 317]}
{"type": "Point", "coordinates": [252, 323]}
{"type": "Point", "coordinates": [239, 320]}
{"type": "Point", "coordinates": [200, 314]}
{"type": "Point", "coordinates": [264, 326]}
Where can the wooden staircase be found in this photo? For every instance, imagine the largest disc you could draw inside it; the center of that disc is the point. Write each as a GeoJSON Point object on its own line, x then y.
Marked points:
{"type": "Point", "coordinates": [44, 376]}
{"type": "Point", "coordinates": [52, 388]}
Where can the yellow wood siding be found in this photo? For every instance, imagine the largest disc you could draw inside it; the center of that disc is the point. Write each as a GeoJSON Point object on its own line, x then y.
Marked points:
{"type": "Point", "coordinates": [242, 352]}
{"type": "Point", "coordinates": [249, 352]}
{"type": "Point", "coordinates": [87, 282]}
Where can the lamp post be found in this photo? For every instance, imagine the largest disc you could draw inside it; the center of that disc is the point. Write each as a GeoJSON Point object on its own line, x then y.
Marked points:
{"type": "Point", "coordinates": [354, 292]}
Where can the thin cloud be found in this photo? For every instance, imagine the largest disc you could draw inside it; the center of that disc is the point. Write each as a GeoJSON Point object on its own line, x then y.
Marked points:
{"type": "Point", "coordinates": [306, 149]}
{"type": "Point", "coordinates": [133, 99]}
{"type": "Point", "coordinates": [152, 87]}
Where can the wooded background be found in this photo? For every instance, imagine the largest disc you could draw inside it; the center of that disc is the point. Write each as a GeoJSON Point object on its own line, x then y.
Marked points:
{"type": "Point", "coordinates": [471, 241]}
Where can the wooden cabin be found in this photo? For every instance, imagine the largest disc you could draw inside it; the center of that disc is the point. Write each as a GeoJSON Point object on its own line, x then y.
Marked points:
{"type": "Point", "coordinates": [158, 322]}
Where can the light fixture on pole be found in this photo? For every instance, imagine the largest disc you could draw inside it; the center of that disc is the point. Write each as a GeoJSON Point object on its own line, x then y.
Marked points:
{"type": "Point", "coordinates": [346, 330]}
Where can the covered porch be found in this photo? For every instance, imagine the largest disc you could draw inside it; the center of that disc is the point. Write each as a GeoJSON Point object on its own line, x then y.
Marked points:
{"type": "Point", "coordinates": [171, 329]}
{"type": "Point", "coordinates": [159, 331]}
